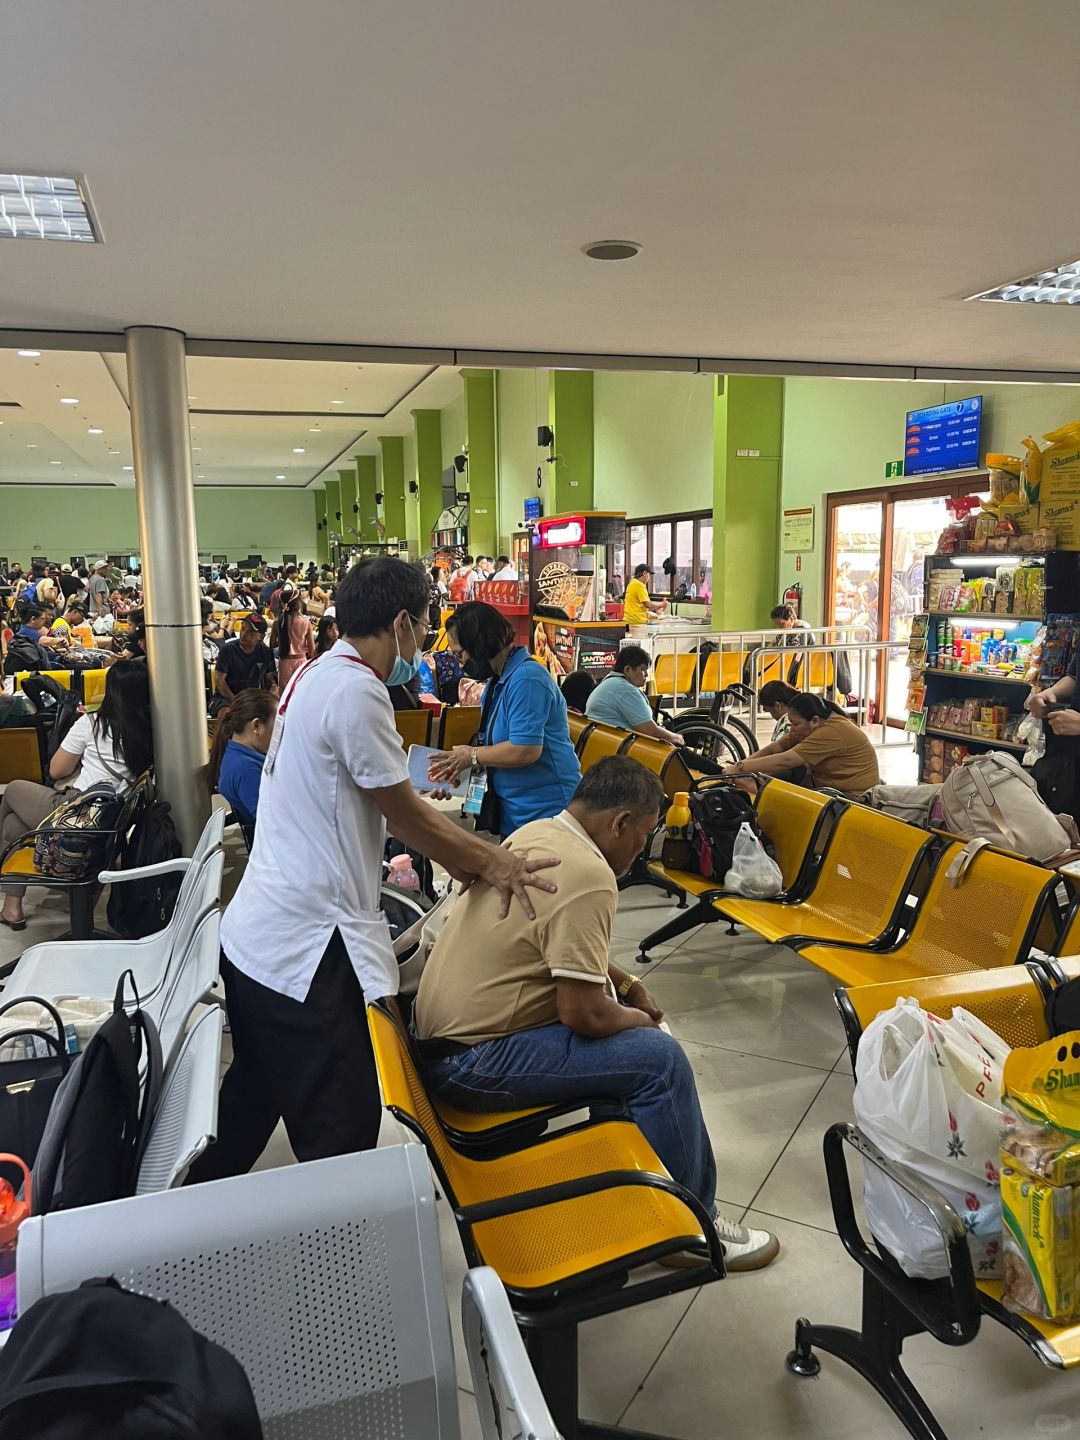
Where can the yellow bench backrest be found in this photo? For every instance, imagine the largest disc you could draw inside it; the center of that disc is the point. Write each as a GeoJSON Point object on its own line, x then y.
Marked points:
{"type": "Point", "coordinates": [93, 687]}
{"type": "Point", "coordinates": [866, 869]}
{"type": "Point", "coordinates": [578, 724]}
{"type": "Point", "coordinates": [62, 677]}
{"type": "Point", "coordinates": [414, 726]}
{"type": "Point", "coordinates": [790, 816]}
{"type": "Point", "coordinates": [403, 1089]}
{"type": "Point", "coordinates": [459, 724]}
{"type": "Point", "coordinates": [601, 741]}
{"type": "Point", "coordinates": [1006, 999]}
{"type": "Point", "coordinates": [20, 758]}
{"type": "Point", "coordinates": [674, 674]}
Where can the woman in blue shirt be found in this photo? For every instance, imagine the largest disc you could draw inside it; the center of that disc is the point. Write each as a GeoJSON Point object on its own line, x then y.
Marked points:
{"type": "Point", "coordinates": [524, 741]}
{"type": "Point", "coordinates": [240, 745]}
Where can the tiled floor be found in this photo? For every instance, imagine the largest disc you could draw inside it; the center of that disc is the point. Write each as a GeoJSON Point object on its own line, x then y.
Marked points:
{"type": "Point", "coordinates": [765, 1041]}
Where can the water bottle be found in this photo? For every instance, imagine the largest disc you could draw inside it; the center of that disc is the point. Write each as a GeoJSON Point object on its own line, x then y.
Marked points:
{"type": "Point", "coordinates": [677, 850]}
{"type": "Point", "coordinates": [402, 873]}
{"type": "Point", "coordinates": [13, 1212]}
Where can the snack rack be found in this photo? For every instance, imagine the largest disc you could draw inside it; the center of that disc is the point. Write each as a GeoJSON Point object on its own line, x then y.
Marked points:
{"type": "Point", "coordinates": [973, 668]}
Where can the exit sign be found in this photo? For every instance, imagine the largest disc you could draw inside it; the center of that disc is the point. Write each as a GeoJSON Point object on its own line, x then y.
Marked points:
{"type": "Point", "coordinates": [893, 468]}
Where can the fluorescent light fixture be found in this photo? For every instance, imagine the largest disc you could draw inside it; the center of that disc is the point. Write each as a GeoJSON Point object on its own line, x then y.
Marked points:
{"type": "Point", "coordinates": [29, 354]}
{"type": "Point", "coordinates": [279, 477]}
{"type": "Point", "coordinates": [69, 400]}
{"type": "Point", "coordinates": [298, 450]}
{"type": "Point", "coordinates": [1060, 285]}
{"type": "Point", "coordinates": [342, 402]}
{"type": "Point", "coordinates": [95, 430]}
{"type": "Point", "coordinates": [46, 207]}
{"type": "Point", "coordinates": [129, 467]}
{"type": "Point", "coordinates": [989, 559]}
{"type": "Point", "coordinates": [56, 462]}
{"type": "Point", "coordinates": [31, 445]}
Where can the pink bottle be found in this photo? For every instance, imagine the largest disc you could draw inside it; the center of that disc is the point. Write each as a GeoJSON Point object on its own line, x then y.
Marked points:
{"type": "Point", "coordinates": [13, 1212]}
{"type": "Point", "coordinates": [402, 873]}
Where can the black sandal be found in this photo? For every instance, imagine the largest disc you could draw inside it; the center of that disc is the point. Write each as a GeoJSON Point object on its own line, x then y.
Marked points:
{"type": "Point", "coordinates": [13, 924]}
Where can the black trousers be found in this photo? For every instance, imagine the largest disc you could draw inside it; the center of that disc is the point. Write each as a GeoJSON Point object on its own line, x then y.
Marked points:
{"type": "Point", "coordinates": [307, 1062]}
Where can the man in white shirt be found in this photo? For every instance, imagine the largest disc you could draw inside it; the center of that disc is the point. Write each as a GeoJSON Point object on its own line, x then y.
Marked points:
{"type": "Point", "coordinates": [304, 941]}
{"type": "Point", "coordinates": [504, 570]}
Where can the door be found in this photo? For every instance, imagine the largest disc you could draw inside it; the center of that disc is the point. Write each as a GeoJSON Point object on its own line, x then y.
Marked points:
{"type": "Point", "coordinates": [853, 579]}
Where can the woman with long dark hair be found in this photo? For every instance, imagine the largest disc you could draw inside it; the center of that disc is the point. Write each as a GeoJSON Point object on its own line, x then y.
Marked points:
{"type": "Point", "coordinates": [113, 747]}
{"type": "Point", "coordinates": [326, 635]}
{"type": "Point", "coordinates": [838, 755]}
{"type": "Point", "coordinates": [291, 635]}
{"type": "Point", "coordinates": [240, 744]}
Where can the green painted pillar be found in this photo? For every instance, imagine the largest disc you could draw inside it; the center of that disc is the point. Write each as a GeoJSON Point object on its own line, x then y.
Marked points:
{"type": "Point", "coordinates": [482, 472]}
{"type": "Point", "coordinates": [570, 415]}
{"type": "Point", "coordinates": [392, 484]}
{"type": "Point", "coordinates": [748, 413]}
{"type": "Point", "coordinates": [427, 428]}
{"type": "Point", "coordinates": [333, 505]}
{"type": "Point", "coordinates": [366, 484]}
{"type": "Point", "coordinates": [322, 539]}
{"type": "Point", "coordinates": [349, 521]}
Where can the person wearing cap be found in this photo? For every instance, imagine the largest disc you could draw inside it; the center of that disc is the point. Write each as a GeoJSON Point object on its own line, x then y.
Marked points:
{"type": "Point", "coordinates": [70, 584]}
{"type": "Point", "coordinates": [99, 589]}
{"type": "Point", "coordinates": [637, 604]}
{"type": "Point", "coordinates": [246, 663]}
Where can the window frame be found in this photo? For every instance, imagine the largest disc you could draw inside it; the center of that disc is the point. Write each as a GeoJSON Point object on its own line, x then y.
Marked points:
{"type": "Point", "coordinates": [659, 589]}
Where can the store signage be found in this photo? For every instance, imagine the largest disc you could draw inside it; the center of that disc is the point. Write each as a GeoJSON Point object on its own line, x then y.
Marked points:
{"type": "Point", "coordinates": [558, 533]}
{"type": "Point", "coordinates": [943, 437]}
{"type": "Point", "coordinates": [893, 469]}
{"type": "Point", "coordinates": [798, 529]}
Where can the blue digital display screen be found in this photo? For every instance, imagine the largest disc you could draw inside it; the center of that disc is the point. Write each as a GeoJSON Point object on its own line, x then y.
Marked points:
{"type": "Point", "coordinates": [533, 509]}
{"type": "Point", "coordinates": [943, 437]}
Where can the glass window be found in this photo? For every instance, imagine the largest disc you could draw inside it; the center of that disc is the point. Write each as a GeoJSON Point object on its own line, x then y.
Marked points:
{"type": "Point", "coordinates": [704, 575]}
{"type": "Point", "coordinates": [639, 548]}
{"type": "Point", "coordinates": [684, 554]}
{"type": "Point", "coordinates": [660, 537]}
{"type": "Point", "coordinates": [616, 566]}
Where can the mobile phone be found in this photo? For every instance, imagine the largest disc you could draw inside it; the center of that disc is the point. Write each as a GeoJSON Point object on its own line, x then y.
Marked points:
{"type": "Point", "coordinates": [1055, 706]}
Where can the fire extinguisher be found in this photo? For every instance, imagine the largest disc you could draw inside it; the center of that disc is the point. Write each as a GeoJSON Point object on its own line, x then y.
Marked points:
{"type": "Point", "coordinates": [793, 597]}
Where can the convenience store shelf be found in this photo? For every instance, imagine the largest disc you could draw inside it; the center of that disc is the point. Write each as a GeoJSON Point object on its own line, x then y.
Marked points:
{"type": "Point", "coordinates": [976, 740]}
{"type": "Point", "coordinates": [974, 675]}
{"type": "Point", "coordinates": [981, 616]}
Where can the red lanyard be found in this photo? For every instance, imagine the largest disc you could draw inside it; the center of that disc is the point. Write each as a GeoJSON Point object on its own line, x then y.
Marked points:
{"type": "Point", "coordinates": [355, 659]}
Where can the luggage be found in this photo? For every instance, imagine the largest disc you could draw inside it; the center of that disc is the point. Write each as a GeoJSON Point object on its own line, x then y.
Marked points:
{"type": "Point", "coordinates": [33, 1062]}
{"type": "Point", "coordinates": [716, 815]}
{"type": "Point", "coordinates": [914, 804]}
{"type": "Point", "coordinates": [101, 1362]}
{"type": "Point", "coordinates": [100, 1117]}
{"type": "Point", "coordinates": [142, 907]}
{"type": "Point", "coordinates": [992, 797]}
{"type": "Point", "coordinates": [72, 841]}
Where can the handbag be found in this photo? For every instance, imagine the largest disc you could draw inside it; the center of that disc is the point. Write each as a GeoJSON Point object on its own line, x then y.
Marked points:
{"type": "Point", "coordinates": [71, 842]}
{"type": "Point", "coordinates": [29, 1080]}
{"type": "Point", "coordinates": [489, 818]}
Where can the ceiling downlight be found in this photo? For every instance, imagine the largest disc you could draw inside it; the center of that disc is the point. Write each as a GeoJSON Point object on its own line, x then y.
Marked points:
{"type": "Point", "coordinates": [611, 249]}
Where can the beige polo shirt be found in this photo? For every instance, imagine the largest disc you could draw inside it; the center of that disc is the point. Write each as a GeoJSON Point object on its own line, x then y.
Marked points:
{"type": "Point", "coordinates": [840, 756]}
{"type": "Point", "coordinates": [486, 977]}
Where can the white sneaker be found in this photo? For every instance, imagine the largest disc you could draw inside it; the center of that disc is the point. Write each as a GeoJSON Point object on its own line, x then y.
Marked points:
{"type": "Point", "coordinates": [745, 1249]}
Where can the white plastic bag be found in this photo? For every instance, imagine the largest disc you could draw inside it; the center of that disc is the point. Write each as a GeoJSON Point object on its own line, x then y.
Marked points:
{"type": "Point", "coordinates": [928, 1094]}
{"type": "Point", "coordinates": [752, 871]}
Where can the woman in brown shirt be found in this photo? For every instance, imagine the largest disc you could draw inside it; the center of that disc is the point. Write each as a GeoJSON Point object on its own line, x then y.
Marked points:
{"type": "Point", "coordinates": [837, 753]}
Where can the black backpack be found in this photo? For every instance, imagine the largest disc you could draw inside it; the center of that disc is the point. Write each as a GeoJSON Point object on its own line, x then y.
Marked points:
{"type": "Point", "coordinates": [716, 815]}
{"type": "Point", "coordinates": [64, 716]}
{"type": "Point", "coordinates": [45, 692]}
{"type": "Point", "coordinates": [1063, 1008]}
{"type": "Point", "coordinates": [140, 907]}
{"type": "Point", "coordinates": [100, 1117]}
{"type": "Point", "coordinates": [100, 1363]}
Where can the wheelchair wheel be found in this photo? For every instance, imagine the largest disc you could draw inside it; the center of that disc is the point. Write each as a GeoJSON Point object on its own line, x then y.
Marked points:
{"type": "Point", "coordinates": [711, 743]}
{"type": "Point", "coordinates": [746, 736]}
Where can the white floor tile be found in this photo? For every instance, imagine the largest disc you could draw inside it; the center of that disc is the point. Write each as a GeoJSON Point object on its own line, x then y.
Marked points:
{"type": "Point", "coordinates": [796, 1189]}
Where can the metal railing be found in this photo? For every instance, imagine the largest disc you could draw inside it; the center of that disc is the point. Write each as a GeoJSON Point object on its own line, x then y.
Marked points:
{"type": "Point", "coordinates": [737, 646]}
{"type": "Point", "coordinates": [863, 652]}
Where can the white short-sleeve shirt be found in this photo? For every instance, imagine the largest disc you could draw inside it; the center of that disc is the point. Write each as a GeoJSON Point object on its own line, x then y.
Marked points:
{"type": "Point", "coordinates": [101, 764]}
{"type": "Point", "coordinates": [317, 859]}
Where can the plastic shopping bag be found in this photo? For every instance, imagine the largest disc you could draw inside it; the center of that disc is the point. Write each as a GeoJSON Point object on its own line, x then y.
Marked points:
{"type": "Point", "coordinates": [928, 1094]}
{"type": "Point", "coordinates": [753, 872]}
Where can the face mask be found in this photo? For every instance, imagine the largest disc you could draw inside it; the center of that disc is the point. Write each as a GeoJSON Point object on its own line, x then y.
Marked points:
{"type": "Point", "coordinates": [402, 670]}
{"type": "Point", "coordinates": [478, 669]}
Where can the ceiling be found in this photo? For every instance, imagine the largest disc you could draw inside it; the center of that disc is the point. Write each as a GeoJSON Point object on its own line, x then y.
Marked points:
{"type": "Point", "coordinates": [817, 182]}
{"type": "Point", "coordinates": [248, 417]}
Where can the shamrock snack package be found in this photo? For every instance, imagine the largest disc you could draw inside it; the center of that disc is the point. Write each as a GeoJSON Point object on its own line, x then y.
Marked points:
{"type": "Point", "coordinates": [1040, 1179]}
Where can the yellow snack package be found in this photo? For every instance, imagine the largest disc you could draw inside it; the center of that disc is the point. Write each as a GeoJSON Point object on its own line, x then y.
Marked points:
{"type": "Point", "coordinates": [1031, 470]}
{"type": "Point", "coordinates": [1041, 1090]}
{"type": "Point", "coordinates": [1039, 1245]}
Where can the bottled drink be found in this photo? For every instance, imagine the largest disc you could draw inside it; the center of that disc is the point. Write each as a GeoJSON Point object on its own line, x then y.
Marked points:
{"type": "Point", "coordinates": [402, 873]}
{"type": "Point", "coordinates": [13, 1212]}
{"type": "Point", "coordinates": [677, 848]}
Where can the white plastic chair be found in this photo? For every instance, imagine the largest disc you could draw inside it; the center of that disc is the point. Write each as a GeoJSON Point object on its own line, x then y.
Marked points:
{"type": "Point", "coordinates": [185, 1122]}
{"type": "Point", "coordinates": [509, 1400]}
{"type": "Point", "coordinates": [93, 967]}
{"type": "Point", "coordinates": [189, 975]}
{"type": "Point", "coordinates": [325, 1281]}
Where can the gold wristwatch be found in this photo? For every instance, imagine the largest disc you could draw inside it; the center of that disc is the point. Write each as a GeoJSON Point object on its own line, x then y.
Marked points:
{"type": "Point", "coordinates": [625, 986]}
{"type": "Point", "coordinates": [472, 758]}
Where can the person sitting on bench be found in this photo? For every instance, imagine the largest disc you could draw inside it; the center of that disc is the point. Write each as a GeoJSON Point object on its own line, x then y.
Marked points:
{"type": "Point", "coordinates": [540, 1016]}
{"type": "Point", "coordinates": [619, 699]}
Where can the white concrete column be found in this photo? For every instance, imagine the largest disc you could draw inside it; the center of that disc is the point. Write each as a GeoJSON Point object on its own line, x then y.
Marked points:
{"type": "Point", "coordinates": [165, 496]}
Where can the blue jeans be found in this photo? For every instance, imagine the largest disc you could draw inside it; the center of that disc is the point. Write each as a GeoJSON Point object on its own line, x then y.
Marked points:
{"type": "Point", "coordinates": [646, 1070]}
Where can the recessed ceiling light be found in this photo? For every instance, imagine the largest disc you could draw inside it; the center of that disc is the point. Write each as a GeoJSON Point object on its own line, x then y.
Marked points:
{"type": "Point", "coordinates": [56, 462]}
{"type": "Point", "coordinates": [129, 467]}
{"type": "Point", "coordinates": [113, 452]}
{"type": "Point", "coordinates": [30, 445]}
{"type": "Point", "coordinates": [45, 207]}
{"type": "Point", "coordinates": [337, 402]}
{"type": "Point", "coordinates": [611, 249]}
{"type": "Point", "coordinates": [279, 477]}
{"type": "Point", "coordinates": [29, 354]}
{"type": "Point", "coordinates": [315, 430]}
{"type": "Point", "coordinates": [195, 449]}
{"type": "Point", "coordinates": [298, 450]}
{"type": "Point", "coordinates": [1058, 285]}
{"type": "Point", "coordinates": [192, 397]}
{"type": "Point", "coordinates": [95, 430]}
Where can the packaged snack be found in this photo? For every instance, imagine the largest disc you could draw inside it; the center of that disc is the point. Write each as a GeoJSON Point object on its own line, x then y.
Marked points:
{"type": "Point", "coordinates": [1039, 1245]}
{"type": "Point", "coordinates": [988, 596]}
{"type": "Point", "coordinates": [965, 600]}
{"type": "Point", "coordinates": [1045, 538]}
{"type": "Point", "coordinates": [1031, 470]}
{"type": "Point", "coordinates": [1004, 474]}
{"type": "Point", "coordinates": [983, 730]}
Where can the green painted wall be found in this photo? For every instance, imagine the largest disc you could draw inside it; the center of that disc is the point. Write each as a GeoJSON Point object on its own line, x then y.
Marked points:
{"type": "Point", "coordinates": [367, 482]}
{"type": "Point", "coordinates": [522, 400]}
{"type": "Point", "coordinates": [453, 429]}
{"type": "Point", "coordinates": [483, 463]}
{"type": "Point", "coordinates": [347, 481]}
{"type": "Point", "coordinates": [60, 521]}
{"type": "Point", "coordinates": [322, 540]}
{"type": "Point", "coordinates": [392, 485]}
{"type": "Point", "coordinates": [839, 435]}
{"type": "Point", "coordinates": [333, 505]}
{"type": "Point", "coordinates": [427, 472]}
{"type": "Point", "coordinates": [570, 415]}
{"type": "Point", "coordinates": [654, 437]}
{"type": "Point", "coordinates": [748, 415]}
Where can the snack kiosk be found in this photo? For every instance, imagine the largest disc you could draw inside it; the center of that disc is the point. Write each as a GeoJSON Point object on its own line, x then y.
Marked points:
{"type": "Point", "coordinates": [568, 589]}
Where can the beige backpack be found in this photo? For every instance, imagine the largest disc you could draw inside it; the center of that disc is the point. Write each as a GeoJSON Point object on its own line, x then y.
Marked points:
{"type": "Point", "coordinates": [992, 797]}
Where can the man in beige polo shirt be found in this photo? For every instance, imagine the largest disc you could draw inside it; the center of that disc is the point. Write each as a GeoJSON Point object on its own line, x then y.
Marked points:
{"type": "Point", "coordinates": [516, 1012]}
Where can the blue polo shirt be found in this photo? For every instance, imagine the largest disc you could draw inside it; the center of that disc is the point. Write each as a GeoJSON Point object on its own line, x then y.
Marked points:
{"type": "Point", "coordinates": [617, 701]}
{"type": "Point", "coordinates": [241, 771]}
{"type": "Point", "coordinates": [527, 708]}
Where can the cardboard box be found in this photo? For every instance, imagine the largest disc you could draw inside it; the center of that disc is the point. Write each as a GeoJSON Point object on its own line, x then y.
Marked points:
{"type": "Point", "coordinates": [984, 730]}
{"type": "Point", "coordinates": [1040, 1234]}
{"type": "Point", "coordinates": [1063, 517]}
{"type": "Point", "coordinates": [1023, 514]}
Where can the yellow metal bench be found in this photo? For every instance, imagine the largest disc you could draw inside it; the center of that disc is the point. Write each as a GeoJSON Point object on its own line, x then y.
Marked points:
{"type": "Point", "coordinates": [988, 918]}
{"type": "Point", "coordinates": [62, 677]}
{"type": "Point", "coordinates": [871, 864]}
{"type": "Point", "coordinates": [1011, 1001]}
{"type": "Point", "coordinates": [20, 755]}
{"type": "Point", "coordinates": [414, 726]}
{"type": "Point", "coordinates": [579, 726]}
{"type": "Point", "coordinates": [601, 741]}
{"type": "Point", "coordinates": [459, 724]}
{"type": "Point", "coordinates": [93, 683]}
{"type": "Point", "coordinates": [572, 1224]}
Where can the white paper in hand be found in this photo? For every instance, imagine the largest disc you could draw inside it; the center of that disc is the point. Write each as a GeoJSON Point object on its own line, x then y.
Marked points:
{"type": "Point", "coordinates": [419, 765]}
